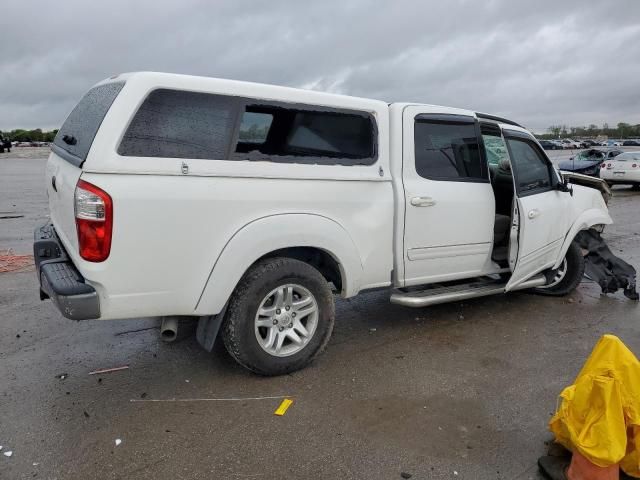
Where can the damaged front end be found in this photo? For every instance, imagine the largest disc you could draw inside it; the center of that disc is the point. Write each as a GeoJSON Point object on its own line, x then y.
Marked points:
{"type": "Point", "coordinates": [591, 182]}
{"type": "Point", "coordinates": [602, 266]}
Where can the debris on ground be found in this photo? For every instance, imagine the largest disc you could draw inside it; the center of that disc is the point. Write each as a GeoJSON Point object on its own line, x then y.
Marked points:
{"type": "Point", "coordinates": [9, 262]}
{"type": "Point", "coordinates": [609, 271]}
{"type": "Point", "coordinates": [126, 332]}
{"type": "Point", "coordinates": [62, 376]}
{"type": "Point", "coordinates": [109, 370]}
{"type": "Point", "coordinates": [118, 441]}
{"type": "Point", "coordinates": [284, 406]}
{"type": "Point", "coordinates": [8, 453]}
{"type": "Point", "coordinates": [405, 475]}
{"type": "Point", "coordinates": [229, 399]}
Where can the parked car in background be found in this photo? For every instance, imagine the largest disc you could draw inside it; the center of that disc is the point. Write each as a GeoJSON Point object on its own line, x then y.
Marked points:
{"type": "Point", "coordinates": [590, 143]}
{"type": "Point", "coordinates": [550, 145]}
{"type": "Point", "coordinates": [631, 143]}
{"type": "Point", "coordinates": [622, 170]}
{"type": "Point", "coordinates": [568, 143]}
{"type": "Point", "coordinates": [5, 144]}
{"type": "Point", "coordinates": [588, 162]}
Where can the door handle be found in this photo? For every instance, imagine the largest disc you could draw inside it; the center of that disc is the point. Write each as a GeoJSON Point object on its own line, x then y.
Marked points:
{"type": "Point", "coordinates": [533, 213]}
{"type": "Point", "coordinates": [423, 202]}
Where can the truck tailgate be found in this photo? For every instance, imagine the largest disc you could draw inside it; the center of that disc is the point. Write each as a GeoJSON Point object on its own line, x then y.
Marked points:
{"type": "Point", "coordinates": [61, 179]}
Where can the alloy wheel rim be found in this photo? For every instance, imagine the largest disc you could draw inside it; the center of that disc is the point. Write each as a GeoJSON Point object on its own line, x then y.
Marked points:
{"type": "Point", "coordinates": [558, 275]}
{"type": "Point", "coordinates": [286, 320]}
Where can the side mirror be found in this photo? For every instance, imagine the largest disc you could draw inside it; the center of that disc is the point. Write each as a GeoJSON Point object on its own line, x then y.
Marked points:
{"type": "Point", "coordinates": [564, 186]}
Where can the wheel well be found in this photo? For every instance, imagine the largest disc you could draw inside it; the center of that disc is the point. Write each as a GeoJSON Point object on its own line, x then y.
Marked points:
{"type": "Point", "coordinates": [318, 258]}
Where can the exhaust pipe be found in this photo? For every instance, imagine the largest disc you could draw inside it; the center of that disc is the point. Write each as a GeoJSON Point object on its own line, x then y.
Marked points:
{"type": "Point", "coordinates": [169, 329]}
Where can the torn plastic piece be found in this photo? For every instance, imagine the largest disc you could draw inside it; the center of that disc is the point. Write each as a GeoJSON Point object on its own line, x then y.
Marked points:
{"type": "Point", "coordinates": [8, 453]}
{"type": "Point", "coordinates": [118, 441]}
{"type": "Point", "coordinates": [284, 406]}
{"type": "Point", "coordinates": [602, 266]}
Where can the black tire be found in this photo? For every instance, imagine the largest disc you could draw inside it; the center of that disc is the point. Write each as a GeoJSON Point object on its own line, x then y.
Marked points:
{"type": "Point", "coordinates": [573, 276]}
{"type": "Point", "coordinates": [238, 331]}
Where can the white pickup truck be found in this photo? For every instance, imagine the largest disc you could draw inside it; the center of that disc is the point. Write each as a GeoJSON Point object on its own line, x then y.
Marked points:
{"type": "Point", "coordinates": [249, 205]}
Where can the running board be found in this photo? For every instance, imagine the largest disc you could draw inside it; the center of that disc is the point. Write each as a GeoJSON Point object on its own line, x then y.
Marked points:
{"type": "Point", "coordinates": [435, 295]}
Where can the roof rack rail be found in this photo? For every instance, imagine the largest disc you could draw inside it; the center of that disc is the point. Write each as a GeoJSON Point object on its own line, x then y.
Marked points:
{"type": "Point", "coordinates": [486, 116]}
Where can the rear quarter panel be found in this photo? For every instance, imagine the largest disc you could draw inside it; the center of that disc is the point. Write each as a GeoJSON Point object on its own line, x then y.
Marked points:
{"type": "Point", "coordinates": [169, 232]}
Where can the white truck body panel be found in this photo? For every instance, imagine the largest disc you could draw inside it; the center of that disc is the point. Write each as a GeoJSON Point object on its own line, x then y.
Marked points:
{"type": "Point", "coordinates": [435, 248]}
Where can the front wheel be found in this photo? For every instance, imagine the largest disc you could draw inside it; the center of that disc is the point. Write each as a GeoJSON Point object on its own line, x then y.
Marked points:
{"type": "Point", "coordinates": [567, 276]}
{"type": "Point", "coordinates": [280, 317]}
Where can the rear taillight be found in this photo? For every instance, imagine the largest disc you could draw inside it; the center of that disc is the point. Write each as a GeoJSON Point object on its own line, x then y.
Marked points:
{"type": "Point", "coordinates": [94, 221]}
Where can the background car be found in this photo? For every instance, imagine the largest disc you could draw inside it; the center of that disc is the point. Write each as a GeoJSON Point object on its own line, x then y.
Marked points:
{"type": "Point", "coordinates": [549, 145]}
{"type": "Point", "coordinates": [588, 162]}
{"type": "Point", "coordinates": [631, 143]}
{"type": "Point", "coordinates": [622, 170]}
{"type": "Point", "coordinates": [568, 143]}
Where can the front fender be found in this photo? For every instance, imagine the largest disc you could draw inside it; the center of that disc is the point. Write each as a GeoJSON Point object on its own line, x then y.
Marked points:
{"type": "Point", "coordinates": [267, 234]}
{"type": "Point", "coordinates": [586, 220]}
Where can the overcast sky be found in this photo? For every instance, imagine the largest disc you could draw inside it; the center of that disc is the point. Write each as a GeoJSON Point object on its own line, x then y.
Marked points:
{"type": "Point", "coordinates": [536, 62]}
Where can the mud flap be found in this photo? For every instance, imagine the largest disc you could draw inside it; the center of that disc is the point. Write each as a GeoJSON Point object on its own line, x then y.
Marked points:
{"type": "Point", "coordinates": [602, 266]}
{"type": "Point", "coordinates": [208, 328]}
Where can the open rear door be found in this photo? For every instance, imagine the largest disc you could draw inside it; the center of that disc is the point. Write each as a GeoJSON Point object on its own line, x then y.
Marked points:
{"type": "Point", "coordinates": [540, 211]}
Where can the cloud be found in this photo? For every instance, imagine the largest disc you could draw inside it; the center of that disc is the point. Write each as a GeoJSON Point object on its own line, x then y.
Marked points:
{"type": "Point", "coordinates": [539, 63]}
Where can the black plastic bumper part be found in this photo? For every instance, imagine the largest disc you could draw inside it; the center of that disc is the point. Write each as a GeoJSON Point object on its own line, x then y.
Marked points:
{"type": "Point", "coordinates": [59, 278]}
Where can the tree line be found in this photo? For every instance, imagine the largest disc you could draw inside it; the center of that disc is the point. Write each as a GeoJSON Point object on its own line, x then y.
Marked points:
{"type": "Point", "coordinates": [622, 130]}
{"type": "Point", "coordinates": [37, 135]}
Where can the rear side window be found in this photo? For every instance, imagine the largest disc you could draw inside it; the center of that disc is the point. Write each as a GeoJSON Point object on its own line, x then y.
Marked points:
{"type": "Point", "coordinates": [449, 150]}
{"type": "Point", "coordinates": [78, 131]}
{"type": "Point", "coordinates": [291, 134]}
{"type": "Point", "coordinates": [179, 124]}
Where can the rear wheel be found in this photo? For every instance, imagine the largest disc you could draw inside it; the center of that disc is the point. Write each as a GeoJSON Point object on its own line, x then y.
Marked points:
{"type": "Point", "coordinates": [280, 317]}
{"type": "Point", "coordinates": [564, 279]}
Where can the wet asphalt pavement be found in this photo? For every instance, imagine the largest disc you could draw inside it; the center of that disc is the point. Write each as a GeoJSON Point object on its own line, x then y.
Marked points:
{"type": "Point", "coordinates": [462, 391]}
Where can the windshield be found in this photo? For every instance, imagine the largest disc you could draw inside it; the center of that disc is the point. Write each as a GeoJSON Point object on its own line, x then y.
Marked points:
{"type": "Point", "coordinates": [589, 156]}
{"type": "Point", "coordinates": [495, 148]}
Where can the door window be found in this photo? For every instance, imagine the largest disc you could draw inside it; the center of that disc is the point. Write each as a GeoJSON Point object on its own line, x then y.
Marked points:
{"type": "Point", "coordinates": [450, 151]}
{"type": "Point", "coordinates": [532, 172]}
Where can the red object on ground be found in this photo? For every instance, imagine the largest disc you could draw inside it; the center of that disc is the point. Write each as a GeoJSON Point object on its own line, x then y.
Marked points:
{"type": "Point", "coordinates": [15, 263]}
{"type": "Point", "coordinates": [582, 469]}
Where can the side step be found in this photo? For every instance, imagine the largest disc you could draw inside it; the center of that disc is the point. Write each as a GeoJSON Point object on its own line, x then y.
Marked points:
{"type": "Point", "coordinates": [435, 295]}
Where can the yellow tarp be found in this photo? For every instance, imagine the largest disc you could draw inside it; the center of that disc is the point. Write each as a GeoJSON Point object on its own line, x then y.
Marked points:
{"type": "Point", "coordinates": [599, 415]}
